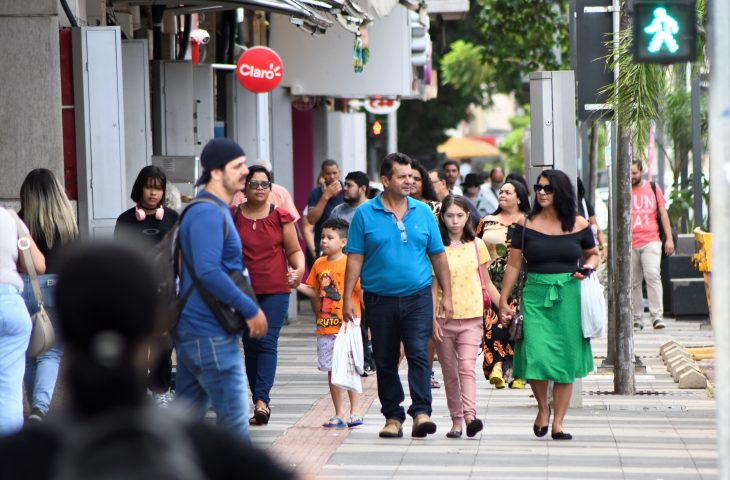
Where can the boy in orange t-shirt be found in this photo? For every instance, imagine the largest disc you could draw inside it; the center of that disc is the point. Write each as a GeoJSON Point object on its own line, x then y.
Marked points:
{"type": "Point", "coordinates": [325, 285]}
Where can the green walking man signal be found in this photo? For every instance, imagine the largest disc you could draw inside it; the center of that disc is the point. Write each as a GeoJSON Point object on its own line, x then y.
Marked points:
{"type": "Point", "coordinates": [665, 31]}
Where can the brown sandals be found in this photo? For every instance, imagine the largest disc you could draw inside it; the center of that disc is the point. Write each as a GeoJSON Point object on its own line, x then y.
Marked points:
{"type": "Point", "coordinates": [260, 416]}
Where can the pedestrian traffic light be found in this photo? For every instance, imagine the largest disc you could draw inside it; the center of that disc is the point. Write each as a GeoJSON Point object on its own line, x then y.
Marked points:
{"type": "Point", "coordinates": [665, 31]}
{"type": "Point", "coordinates": [377, 128]}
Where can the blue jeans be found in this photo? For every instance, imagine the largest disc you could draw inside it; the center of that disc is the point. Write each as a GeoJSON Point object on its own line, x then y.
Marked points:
{"type": "Point", "coordinates": [41, 372]}
{"type": "Point", "coordinates": [261, 355]}
{"type": "Point", "coordinates": [15, 329]}
{"type": "Point", "coordinates": [393, 320]}
{"type": "Point", "coordinates": [210, 372]}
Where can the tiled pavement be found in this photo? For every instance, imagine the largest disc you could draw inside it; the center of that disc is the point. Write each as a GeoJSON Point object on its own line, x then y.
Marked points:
{"type": "Point", "coordinates": [663, 433]}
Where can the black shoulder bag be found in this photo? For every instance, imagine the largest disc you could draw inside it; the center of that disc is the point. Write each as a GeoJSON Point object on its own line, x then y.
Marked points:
{"type": "Point", "coordinates": [662, 235]}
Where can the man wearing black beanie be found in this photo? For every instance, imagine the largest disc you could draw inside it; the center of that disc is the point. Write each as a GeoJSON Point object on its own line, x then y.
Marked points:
{"type": "Point", "coordinates": [210, 367]}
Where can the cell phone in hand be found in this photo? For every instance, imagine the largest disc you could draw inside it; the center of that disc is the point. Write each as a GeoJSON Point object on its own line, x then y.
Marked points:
{"type": "Point", "coordinates": [585, 271]}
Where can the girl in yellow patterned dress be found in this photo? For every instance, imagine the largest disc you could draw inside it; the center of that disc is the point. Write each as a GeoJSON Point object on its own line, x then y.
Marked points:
{"type": "Point", "coordinates": [458, 340]}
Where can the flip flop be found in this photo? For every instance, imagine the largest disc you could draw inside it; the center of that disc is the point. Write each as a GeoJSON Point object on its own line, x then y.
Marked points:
{"type": "Point", "coordinates": [335, 422]}
{"type": "Point", "coordinates": [355, 420]}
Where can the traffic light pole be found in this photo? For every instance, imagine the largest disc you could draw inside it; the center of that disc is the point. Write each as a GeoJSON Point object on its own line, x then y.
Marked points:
{"type": "Point", "coordinates": [719, 46]}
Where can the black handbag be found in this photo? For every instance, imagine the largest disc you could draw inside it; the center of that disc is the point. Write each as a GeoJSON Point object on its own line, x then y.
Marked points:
{"type": "Point", "coordinates": [229, 318]}
{"type": "Point", "coordinates": [515, 328]}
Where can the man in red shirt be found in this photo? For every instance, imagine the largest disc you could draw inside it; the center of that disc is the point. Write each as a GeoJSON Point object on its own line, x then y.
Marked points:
{"type": "Point", "coordinates": [646, 246]}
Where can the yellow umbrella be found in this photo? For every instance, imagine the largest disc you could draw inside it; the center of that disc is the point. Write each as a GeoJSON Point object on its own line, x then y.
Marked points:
{"type": "Point", "coordinates": [463, 147]}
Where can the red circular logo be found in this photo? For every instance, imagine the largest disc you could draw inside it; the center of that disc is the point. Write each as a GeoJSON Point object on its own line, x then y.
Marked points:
{"type": "Point", "coordinates": [260, 69]}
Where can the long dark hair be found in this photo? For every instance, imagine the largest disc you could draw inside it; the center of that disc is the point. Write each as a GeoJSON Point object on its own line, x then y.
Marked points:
{"type": "Point", "coordinates": [427, 191]}
{"type": "Point", "coordinates": [563, 198]}
{"type": "Point", "coordinates": [521, 192]}
{"type": "Point", "coordinates": [461, 202]}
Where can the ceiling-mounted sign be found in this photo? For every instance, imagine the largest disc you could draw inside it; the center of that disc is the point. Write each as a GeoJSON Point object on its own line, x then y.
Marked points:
{"type": "Point", "coordinates": [260, 69]}
{"type": "Point", "coordinates": [381, 106]}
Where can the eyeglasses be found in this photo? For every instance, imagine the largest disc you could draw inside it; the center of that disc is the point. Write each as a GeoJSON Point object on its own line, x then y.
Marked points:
{"type": "Point", "coordinates": [255, 184]}
{"type": "Point", "coordinates": [548, 189]}
{"type": "Point", "coordinates": [401, 229]}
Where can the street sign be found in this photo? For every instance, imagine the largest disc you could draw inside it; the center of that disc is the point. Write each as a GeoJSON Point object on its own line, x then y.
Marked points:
{"type": "Point", "coordinates": [381, 106]}
{"type": "Point", "coordinates": [260, 69]}
{"type": "Point", "coordinates": [665, 31]}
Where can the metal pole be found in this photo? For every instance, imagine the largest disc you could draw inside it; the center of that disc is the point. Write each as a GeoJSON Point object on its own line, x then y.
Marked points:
{"type": "Point", "coordinates": [696, 151]}
{"type": "Point", "coordinates": [719, 46]}
{"type": "Point", "coordinates": [661, 159]}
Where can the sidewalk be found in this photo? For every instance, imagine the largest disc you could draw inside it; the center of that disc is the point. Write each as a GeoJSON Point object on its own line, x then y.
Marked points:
{"type": "Point", "coordinates": [660, 433]}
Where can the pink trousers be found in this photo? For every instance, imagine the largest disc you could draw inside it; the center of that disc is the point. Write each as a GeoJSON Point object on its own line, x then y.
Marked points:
{"type": "Point", "coordinates": [457, 354]}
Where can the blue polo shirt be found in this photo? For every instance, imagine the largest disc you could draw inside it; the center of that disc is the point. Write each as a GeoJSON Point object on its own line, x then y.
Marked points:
{"type": "Point", "coordinates": [395, 264]}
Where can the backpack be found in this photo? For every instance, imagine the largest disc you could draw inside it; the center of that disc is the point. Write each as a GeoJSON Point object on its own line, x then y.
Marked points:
{"type": "Point", "coordinates": [133, 444]}
{"type": "Point", "coordinates": [662, 235]}
{"type": "Point", "coordinates": [166, 259]}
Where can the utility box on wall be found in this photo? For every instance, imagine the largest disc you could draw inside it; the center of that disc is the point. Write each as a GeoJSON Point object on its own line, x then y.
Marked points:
{"type": "Point", "coordinates": [552, 124]}
{"type": "Point", "coordinates": [172, 108]}
{"type": "Point", "coordinates": [99, 104]}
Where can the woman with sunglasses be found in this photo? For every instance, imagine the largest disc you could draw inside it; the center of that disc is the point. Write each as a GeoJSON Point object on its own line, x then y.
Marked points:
{"type": "Point", "coordinates": [560, 252]}
{"type": "Point", "coordinates": [494, 229]}
{"type": "Point", "coordinates": [275, 263]}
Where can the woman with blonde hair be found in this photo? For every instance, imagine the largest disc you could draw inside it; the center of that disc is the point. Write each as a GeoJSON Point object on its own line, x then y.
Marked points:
{"type": "Point", "coordinates": [47, 212]}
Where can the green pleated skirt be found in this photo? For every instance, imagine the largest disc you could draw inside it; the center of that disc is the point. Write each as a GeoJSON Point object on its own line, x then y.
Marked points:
{"type": "Point", "coordinates": [553, 347]}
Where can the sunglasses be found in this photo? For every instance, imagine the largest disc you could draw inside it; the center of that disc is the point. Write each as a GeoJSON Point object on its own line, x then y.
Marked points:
{"type": "Point", "coordinates": [548, 189]}
{"type": "Point", "coordinates": [401, 229]}
{"type": "Point", "coordinates": [255, 184]}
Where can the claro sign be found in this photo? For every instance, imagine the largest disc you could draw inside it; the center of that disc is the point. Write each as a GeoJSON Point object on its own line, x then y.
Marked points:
{"type": "Point", "coordinates": [260, 69]}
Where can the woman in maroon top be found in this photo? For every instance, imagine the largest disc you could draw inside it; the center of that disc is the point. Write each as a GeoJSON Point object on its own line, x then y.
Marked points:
{"type": "Point", "coordinates": [275, 263]}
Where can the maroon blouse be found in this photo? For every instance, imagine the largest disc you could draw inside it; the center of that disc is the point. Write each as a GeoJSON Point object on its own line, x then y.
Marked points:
{"type": "Point", "coordinates": [263, 250]}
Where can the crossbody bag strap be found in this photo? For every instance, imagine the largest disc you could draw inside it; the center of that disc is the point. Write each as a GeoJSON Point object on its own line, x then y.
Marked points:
{"type": "Point", "coordinates": [24, 248]}
{"type": "Point", "coordinates": [188, 265]}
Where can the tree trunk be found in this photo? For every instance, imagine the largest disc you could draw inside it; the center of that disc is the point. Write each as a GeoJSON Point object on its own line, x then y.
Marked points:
{"type": "Point", "coordinates": [623, 369]}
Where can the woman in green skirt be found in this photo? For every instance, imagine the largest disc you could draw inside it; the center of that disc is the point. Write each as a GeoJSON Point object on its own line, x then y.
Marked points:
{"type": "Point", "coordinates": [559, 251]}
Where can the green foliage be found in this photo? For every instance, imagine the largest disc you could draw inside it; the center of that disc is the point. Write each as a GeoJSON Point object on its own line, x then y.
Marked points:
{"type": "Point", "coordinates": [681, 201]}
{"type": "Point", "coordinates": [514, 38]}
{"type": "Point", "coordinates": [462, 68]}
{"type": "Point", "coordinates": [513, 144]}
{"type": "Point", "coordinates": [421, 125]}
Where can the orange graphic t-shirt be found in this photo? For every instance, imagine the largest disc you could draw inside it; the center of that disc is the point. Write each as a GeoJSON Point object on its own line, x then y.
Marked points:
{"type": "Point", "coordinates": [328, 278]}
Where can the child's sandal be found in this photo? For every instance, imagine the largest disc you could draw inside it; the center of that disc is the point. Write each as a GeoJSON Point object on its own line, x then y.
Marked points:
{"type": "Point", "coordinates": [355, 420]}
{"type": "Point", "coordinates": [335, 422]}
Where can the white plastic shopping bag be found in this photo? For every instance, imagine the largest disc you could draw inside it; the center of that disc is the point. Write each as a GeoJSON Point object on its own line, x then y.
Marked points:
{"type": "Point", "coordinates": [592, 307]}
{"type": "Point", "coordinates": [354, 339]}
{"type": "Point", "coordinates": [344, 370]}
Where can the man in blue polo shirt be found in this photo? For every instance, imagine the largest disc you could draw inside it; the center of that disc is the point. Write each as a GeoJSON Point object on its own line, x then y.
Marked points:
{"type": "Point", "coordinates": [389, 244]}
